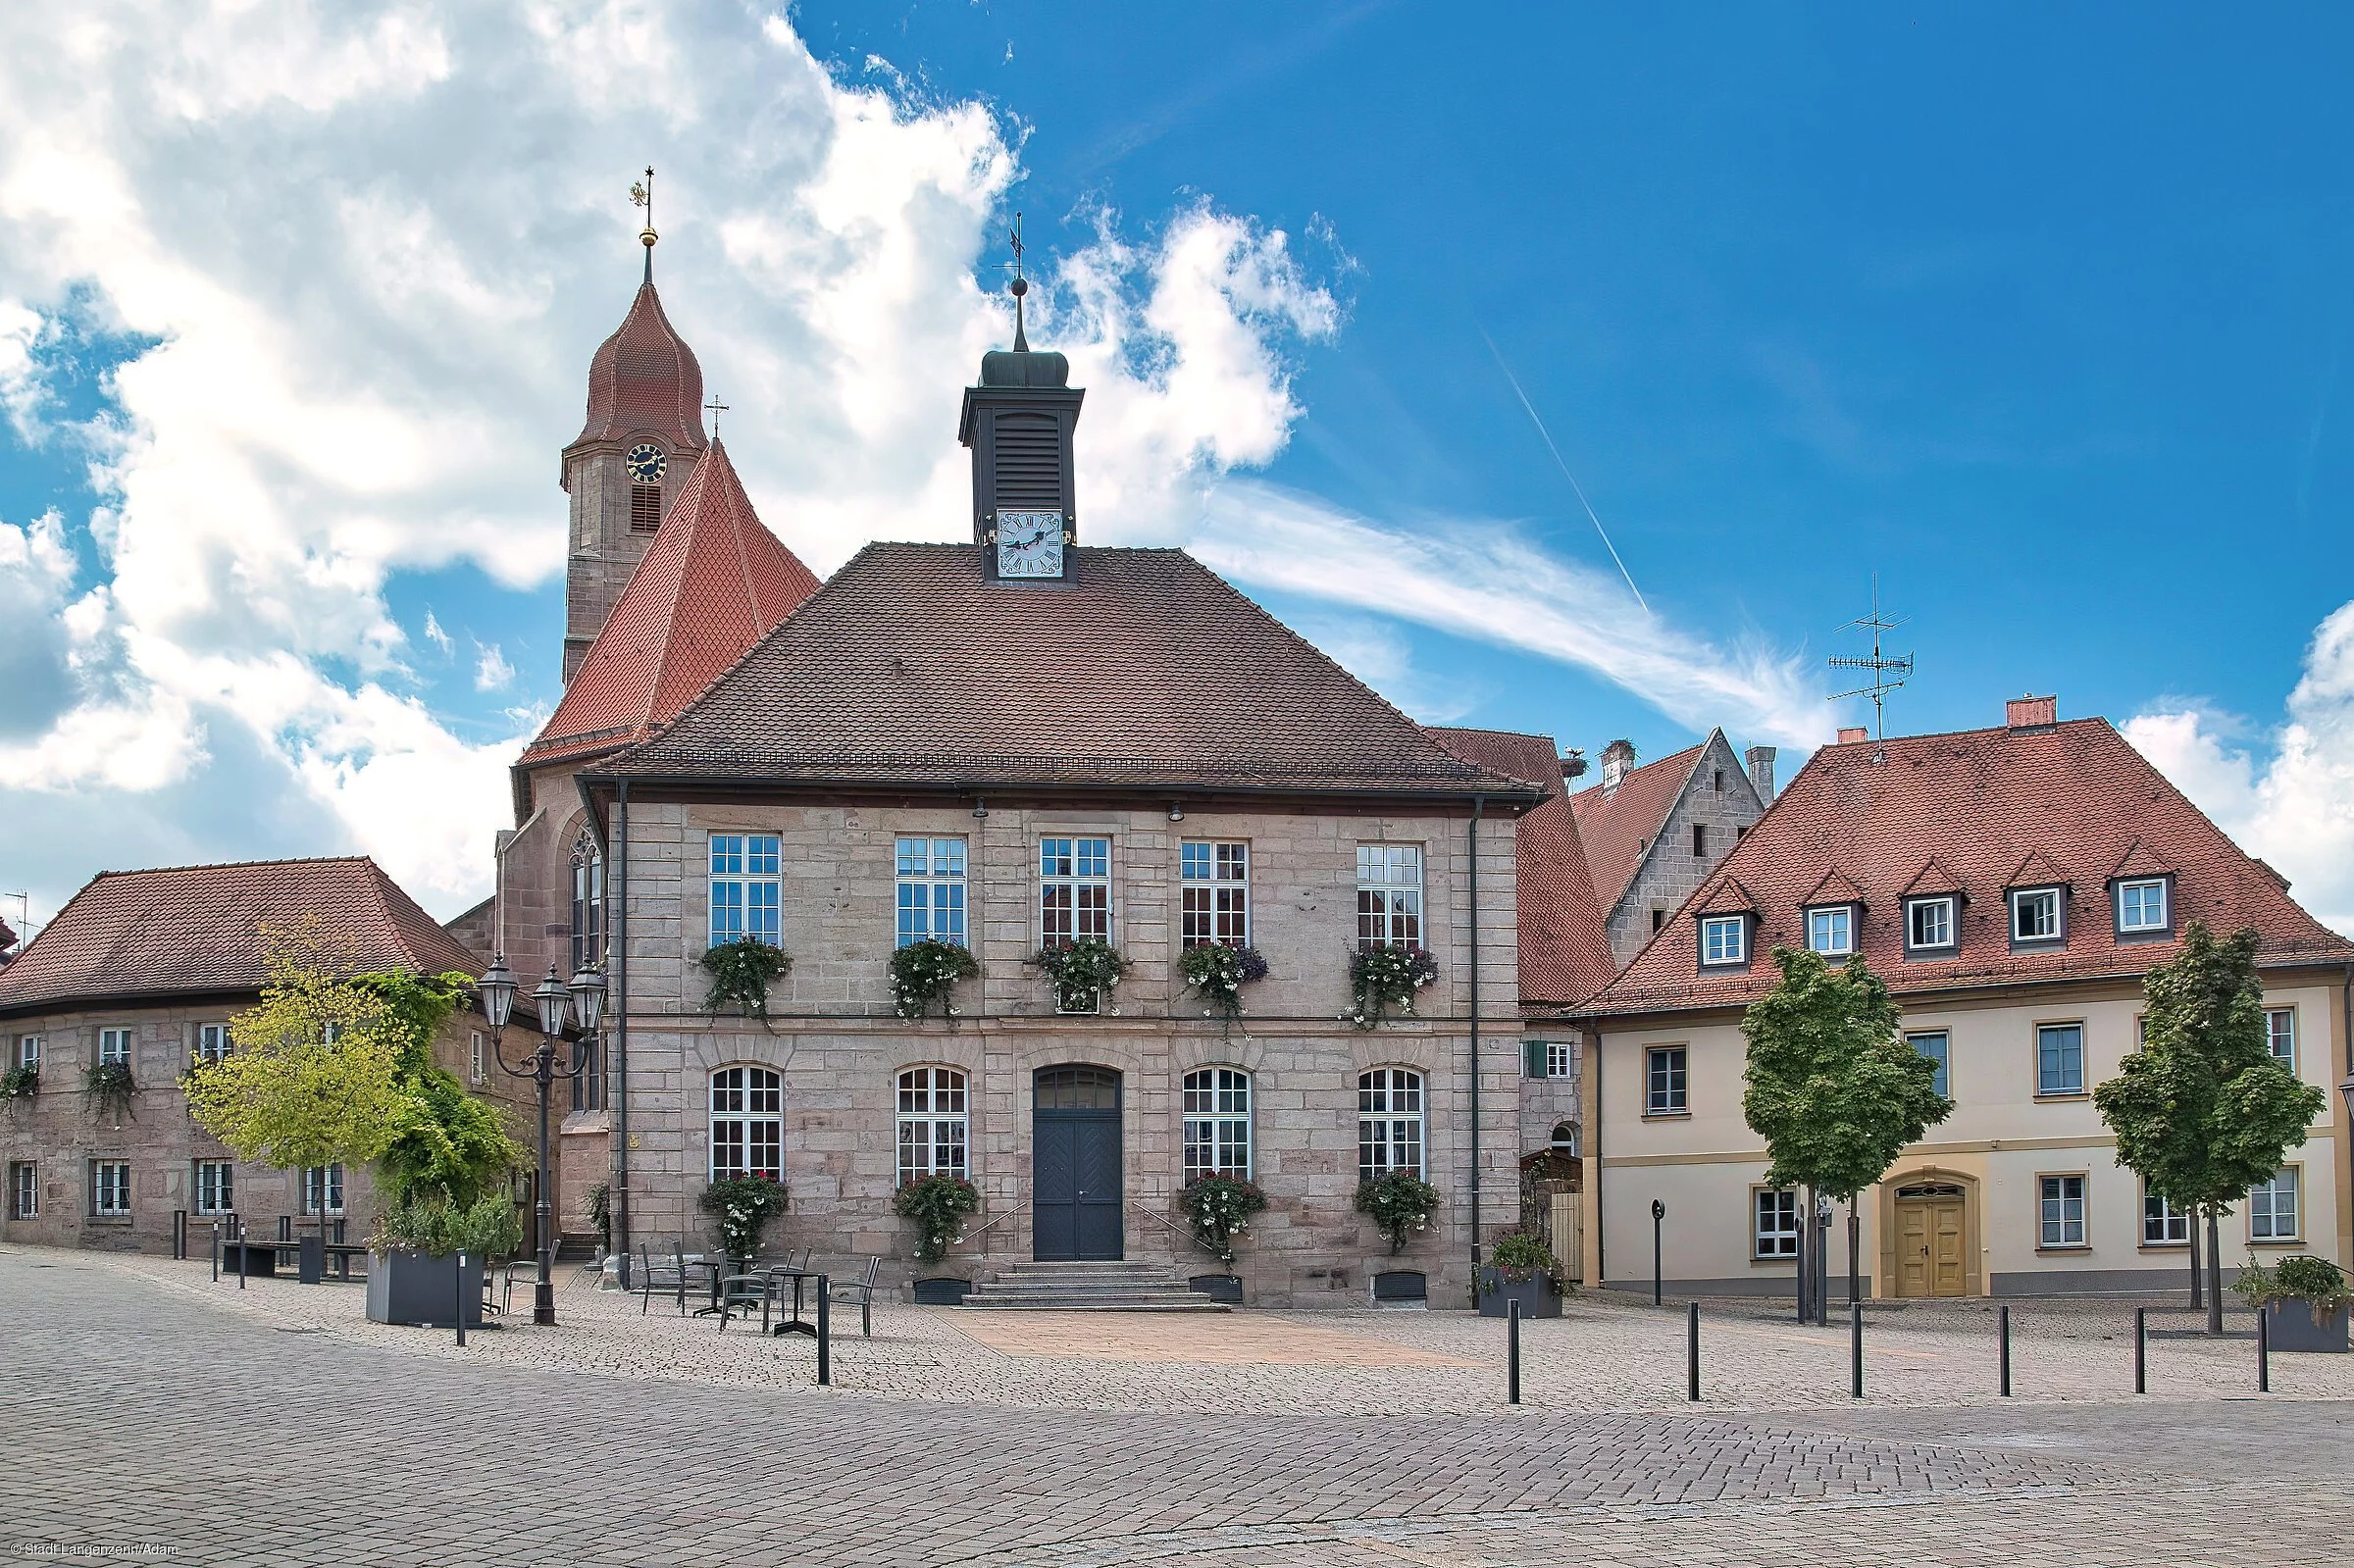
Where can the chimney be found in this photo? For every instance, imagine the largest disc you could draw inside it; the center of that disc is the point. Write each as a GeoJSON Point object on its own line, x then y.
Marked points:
{"type": "Point", "coordinates": [1760, 771]}
{"type": "Point", "coordinates": [1853, 734]}
{"type": "Point", "coordinates": [1615, 758]}
{"type": "Point", "coordinates": [2031, 713]}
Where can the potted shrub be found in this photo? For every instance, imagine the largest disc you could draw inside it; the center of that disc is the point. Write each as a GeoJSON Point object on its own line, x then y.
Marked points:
{"type": "Point", "coordinates": [1520, 1268]}
{"type": "Point", "coordinates": [938, 1204]}
{"type": "Point", "coordinates": [20, 1082]}
{"type": "Point", "coordinates": [924, 973]}
{"type": "Point", "coordinates": [743, 1205]}
{"type": "Point", "coordinates": [1083, 974]}
{"type": "Point", "coordinates": [742, 970]}
{"type": "Point", "coordinates": [2303, 1299]}
{"type": "Point", "coordinates": [1219, 972]}
{"type": "Point", "coordinates": [109, 1086]}
{"type": "Point", "coordinates": [414, 1273]}
{"type": "Point", "coordinates": [1218, 1209]}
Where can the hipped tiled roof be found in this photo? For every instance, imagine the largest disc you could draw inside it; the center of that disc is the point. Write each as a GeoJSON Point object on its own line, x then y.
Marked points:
{"type": "Point", "coordinates": [1991, 809]}
{"type": "Point", "coordinates": [711, 584]}
{"type": "Point", "coordinates": [910, 667]}
{"type": "Point", "coordinates": [1564, 952]}
{"type": "Point", "coordinates": [197, 929]}
{"type": "Point", "coordinates": [1618, 826]}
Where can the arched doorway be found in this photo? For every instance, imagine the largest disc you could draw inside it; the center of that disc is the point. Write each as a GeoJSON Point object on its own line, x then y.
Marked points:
{"type": "Point", "coordinates": [1931, 1236]}
{"type": "Point", "coordinates": [1075, 1176]}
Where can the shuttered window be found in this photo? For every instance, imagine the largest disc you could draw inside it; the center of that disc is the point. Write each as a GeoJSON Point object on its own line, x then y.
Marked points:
{"type": "Point", "coordinates": [1029, 454]}
{"type": "Point", "coordinates": [645, 508]}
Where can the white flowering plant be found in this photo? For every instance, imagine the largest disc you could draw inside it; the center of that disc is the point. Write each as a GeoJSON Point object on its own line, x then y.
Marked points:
{"type": "Point", "coordinates": [1384, 980]}
{"type": "Point", "coordinates": [924, 973]}
{"type": "Point", "coordinates": [743, 1205]}
{"type": "Point", "coordinates": [1218, 1209]}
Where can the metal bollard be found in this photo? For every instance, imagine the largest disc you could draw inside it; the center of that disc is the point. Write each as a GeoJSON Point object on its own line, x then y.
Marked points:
{"type": "Point", "coordinates": [824, 1331]}
{"type": "Point", "coordinates": [1692, 1352]}
{"type": "Point", "coordinates": [2264, 1352]}
{"type": "Point", "coordinates": [180, 1236]}
{"type": "Point", "coordinates": [1511, 1354]}
{"type": "Point", "coordinates": [244, 1253]}
{"type": "Point", "coordinates": [2141, 1349]}
{"type": "Point", "coordinates": [461, 1301]}
{"type": "Point", "coordinates": [1855, 1340]}
{"type": "Point", "coordinates": [216, 1252]}
{"type": "Point", "coordinates": [2002, 1319]}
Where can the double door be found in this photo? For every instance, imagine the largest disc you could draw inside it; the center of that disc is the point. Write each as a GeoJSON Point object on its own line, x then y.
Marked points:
{"type": "Point", "coordinates": [1930, 1256]}
{"type": "Point", "coordinates": [1075, 1165]}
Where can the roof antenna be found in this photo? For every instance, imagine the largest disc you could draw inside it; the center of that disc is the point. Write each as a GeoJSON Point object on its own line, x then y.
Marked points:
{"type": "Point", "coordinates": [1018, 287]}
{"type": "Point", "coordinates": [641, 194]}
{"type": "Point", "coordinates": [1882, 667]}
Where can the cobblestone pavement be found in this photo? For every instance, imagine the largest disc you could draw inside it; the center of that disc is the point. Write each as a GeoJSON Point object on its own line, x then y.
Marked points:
{"type": "Point", "coordinates": [141, 1414]}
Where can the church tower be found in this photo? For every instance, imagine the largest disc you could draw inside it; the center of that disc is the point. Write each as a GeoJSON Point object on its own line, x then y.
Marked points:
{"type": "Point", "coordinates": [642, 437]}
{"type": "Point", "coordinates": [1018, 422]}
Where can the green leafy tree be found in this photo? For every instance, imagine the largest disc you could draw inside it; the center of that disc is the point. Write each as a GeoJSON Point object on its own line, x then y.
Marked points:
{"type": "Point", "coordinates": [2204, 1111]}
{"type": "Point", "coordinates": [1832, 1087]}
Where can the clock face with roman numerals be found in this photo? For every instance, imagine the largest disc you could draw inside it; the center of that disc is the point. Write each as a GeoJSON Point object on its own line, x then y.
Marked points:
{"type": "Point", "coordinates": [1029, 544]}
{"type": "Point", "coordinates": [645, 463]}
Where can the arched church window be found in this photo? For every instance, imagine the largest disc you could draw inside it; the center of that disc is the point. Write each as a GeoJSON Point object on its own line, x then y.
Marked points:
{"type": "Point", "coordinates": [588, 905]}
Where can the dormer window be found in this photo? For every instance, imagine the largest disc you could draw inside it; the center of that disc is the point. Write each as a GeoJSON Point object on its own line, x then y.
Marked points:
{"type": "Point", "coordinates": [2035, 915]}
{"type": "Point", "coordinates": [1832, 930]}
{"type": "Point", "coordinates": [1725, 939]}
{"type": "Point", "coordinates": [2142, 907]}
{"type": "Point", "coordinates": [1929, 924]}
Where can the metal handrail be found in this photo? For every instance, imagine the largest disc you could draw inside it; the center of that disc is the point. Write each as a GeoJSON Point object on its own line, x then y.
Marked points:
{"type": "Point", "coordinates": [1011, 1209]}
{"type": "Point", "coordinates": [1167, 1225]}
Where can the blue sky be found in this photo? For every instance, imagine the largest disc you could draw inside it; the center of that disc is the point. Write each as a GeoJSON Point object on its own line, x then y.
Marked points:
{"type": "Point", "coordinates": [2038, 318]}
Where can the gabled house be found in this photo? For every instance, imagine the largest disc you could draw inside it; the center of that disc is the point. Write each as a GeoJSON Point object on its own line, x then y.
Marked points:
{"type": "Point", "coordinates": [1653, 833]}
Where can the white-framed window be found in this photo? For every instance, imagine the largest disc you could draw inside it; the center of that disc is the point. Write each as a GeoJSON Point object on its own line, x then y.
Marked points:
{"type": "Point", "coordinates": [110, 1186]}
{"type": "Point", "coordinates": [2035, 915]}
{"type": "Point", "coordinates": [1832, 930]}
{"type": "Point", "coordinates": [1218, 1123]}
{"type": "Point", "coordinates": [2280, 1031]}
{"type": "Point", "coordinates": [478, 1056]}
{"type": "Point", "coordinates": [1665, 1083]}
{"type": "Point", "coordinates": [1937, 1046]}
{"type": "Point", "coordinates": [931, 890]}
{"type": "Point", "coordinates": [1548, 1059]}
{"type": "Point", "coordinates": [24, 1191]}
{"type": "Point", "coordinates": [932, 1129]}
{"type": "Point", "coordinates": [114, 1047]}
{"type": "Point", "coordinates": [212, 1043]}
{"type": "Point", "coordinates": [1389, 1121]}
{"type": "Point", "coordinates": [322, 1184]}
{"type": "Point", "coordinates": [216, 1186]}
{"type": "Point", "coordinates": [1774, 1223]}
{"type": "Point", "coordinates": [29, 1051]}
{"type": "Point", "coordinates": [1929, 923]}
{"type": "Point", "coordinates": [1725, 939]}
{"type": "Point", "coordinates": [2059, 1058]}
{"type": "Point", "coordinates": [745, 886]}
{"type": "Point", "coordinates": [2272, 1208]}
{"type": "Point", "coordinates": [2060, 1204]}
{"type": "Point", "coordinates": [2163, 1223]}
{"type": "Point", "coordinates": [2141, 905]}
{"type": "Point", "coordinates": [1074, 891]}
{"type": "Point", "coordinates": [587, 907]}
{"type": "Point", "coordinates": [1216, 882]}
{"type": "Point", "coordinates": [1389, 896]}
{"type": "Point", "coordinates": [748, 1123]}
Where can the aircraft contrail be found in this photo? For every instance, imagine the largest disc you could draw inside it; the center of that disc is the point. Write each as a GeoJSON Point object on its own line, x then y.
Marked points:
{"type": "Point", "coordinates": [1564, 467]}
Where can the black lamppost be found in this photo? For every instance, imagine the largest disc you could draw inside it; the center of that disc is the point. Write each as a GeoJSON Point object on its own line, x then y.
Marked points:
{"type": "Point", "coordinates": [587, 993]}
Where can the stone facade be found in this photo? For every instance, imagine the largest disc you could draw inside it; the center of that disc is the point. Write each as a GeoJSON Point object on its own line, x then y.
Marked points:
{"type": "Point", "coordinates": [833, 1037]}
{"type": "Point", "coordinates": [1719, 799]}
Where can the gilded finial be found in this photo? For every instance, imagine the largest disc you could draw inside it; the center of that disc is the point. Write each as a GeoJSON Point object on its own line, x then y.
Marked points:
{"type": "Point", "coordinates": [641, 194]}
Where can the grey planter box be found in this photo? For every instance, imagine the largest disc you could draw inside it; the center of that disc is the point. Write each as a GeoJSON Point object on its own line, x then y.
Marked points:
{"type": "Point", "coordinates": [1227, 1288]}
{"type": "Point", "coordinates": [421, 1290]}
{"type": "Point", "coordinates": [2292, 1326]}
{"type": "Point", "coordinates": [942, 1291]}
{"type": "Point", "coordinates": [1537, 1297]}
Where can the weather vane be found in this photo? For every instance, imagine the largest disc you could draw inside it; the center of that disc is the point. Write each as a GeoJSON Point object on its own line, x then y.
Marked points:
{"type": "Point", "coordinates": [1888, 671]}
{"type": "Point", "coordinates": [715, 407]}
{"type": "Point", "coordinates": [641, 194]}
{"type": "Point", "coordinates": [1018, 287]}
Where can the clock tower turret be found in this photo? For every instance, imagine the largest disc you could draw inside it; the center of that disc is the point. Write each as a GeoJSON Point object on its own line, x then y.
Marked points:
{"type": "Point", "coordinates": [642, 437]}
{"type": "Point", "coordinates": [1018, 422]}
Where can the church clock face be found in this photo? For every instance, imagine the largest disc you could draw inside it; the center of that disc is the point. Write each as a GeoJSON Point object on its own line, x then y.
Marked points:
{"type": "Point", "coordinates": [1029, 544]}
{"type": "Point", "coordinates": [645, 463]}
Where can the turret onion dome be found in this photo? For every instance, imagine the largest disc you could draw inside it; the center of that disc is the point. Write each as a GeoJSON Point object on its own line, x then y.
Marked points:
{"type": "Point", "coordinates": [644, 380]}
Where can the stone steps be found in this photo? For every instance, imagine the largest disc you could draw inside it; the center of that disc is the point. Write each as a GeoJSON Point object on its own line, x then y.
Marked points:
{"type": "Point", "coordinates": [1089, 1286]}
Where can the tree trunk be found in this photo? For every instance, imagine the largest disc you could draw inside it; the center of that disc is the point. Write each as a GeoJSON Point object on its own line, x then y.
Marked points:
{"type": "Point", "coordinates": [2215, 1277]}
{"type": "Point", "coordinates": [2198, 1296]}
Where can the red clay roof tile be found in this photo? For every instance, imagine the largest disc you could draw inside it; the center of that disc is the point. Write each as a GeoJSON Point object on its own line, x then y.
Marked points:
{"type": "Point", "coordinates": [1834, 888]}
{"type": "Point", "coordinates": [1619, 827]}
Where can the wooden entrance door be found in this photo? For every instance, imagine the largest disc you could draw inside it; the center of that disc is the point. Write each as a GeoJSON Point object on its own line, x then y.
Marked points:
{"type": "Point", "coordinates": [1075, 1156]}
{"type": "Point", "coordinates": [1931, 1235]}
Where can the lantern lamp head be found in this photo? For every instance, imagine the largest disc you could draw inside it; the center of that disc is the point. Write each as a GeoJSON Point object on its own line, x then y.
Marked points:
{"type": "Point", "coordinates": [589, 998]}
{"type": "Point", "coordinates": [497, 987]}
{"type": "Point", "coordinates": [553, 1000]}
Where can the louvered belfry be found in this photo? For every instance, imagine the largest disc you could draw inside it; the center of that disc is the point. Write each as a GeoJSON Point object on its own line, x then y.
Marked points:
{"type": "Point", "coordinates": [1018, 422]}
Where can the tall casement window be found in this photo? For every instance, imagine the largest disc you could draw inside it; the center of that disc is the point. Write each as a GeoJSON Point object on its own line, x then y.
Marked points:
{"type": "Point", "coordinates": [1725, 939]}
{"type": "Point", "coordinates": [2141, 907]}
{"type": "Point", "coordinates": [2061, 1205]}
{"type": "Point", "coordinates": [1074, 889]}
{"type": "Point", "coordinates": [2163, 1223]}
{"type": "Point", "coordinates": [748, 1123]}
{"type": "Point", "coordinates": [110, 1186]}
{"type": "Point", "coordinates": [1937, 1046]}
{"type": "Point", "coordinates": [114, 1047]}
{"type": "Point", "coordinates": [216, 1189]}
{"type": "Point", "coordinates": [29, 1051]}
{"type": "Point", "coordinates": [1773, 1233]}
{"type": "Point", "coordinates": [932, 1122]}
{"type": "Point", "coordinates": [931, 890]}
{"type": "Point", "coordinates": [212, 1043]}
{"type": "Point", "coordinates": [1664, 1081]}
{"type": "Point", "coordinates": [2281, 1028]}
{"type": "Point", "coordinates": [1548, 1059]}
{"type": "Point", "coordinates": [2059, 1058]}
{"type": "Point", "coordinates": [1929, 924]}
{"type": "Point", "coordinates": [1389, 896]}
{"type": "Point", "coordinates": [1218, 1123]}
{"type": "Point", "coordinates": [2035, 915]}
{"type": "Point", "coordinates": [2272, 1208]}
{"type": "Point", "coordinates": [588, 906]}
{"type": "Point", "coordinates": [1216, 879]}
{"type": "Point", "coordinates": [588, 1089]}
{"type": "Point", "coordinates": [1832, 930]}
{"type": "Point", "coordinates": [1389, 1121]}
{"type": "Point", "coordinates": [323, 1185]}
{"type": "Point", "coordinates": [744, 887]}
{"type": "Point", "coordinates": [24, 1191]}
